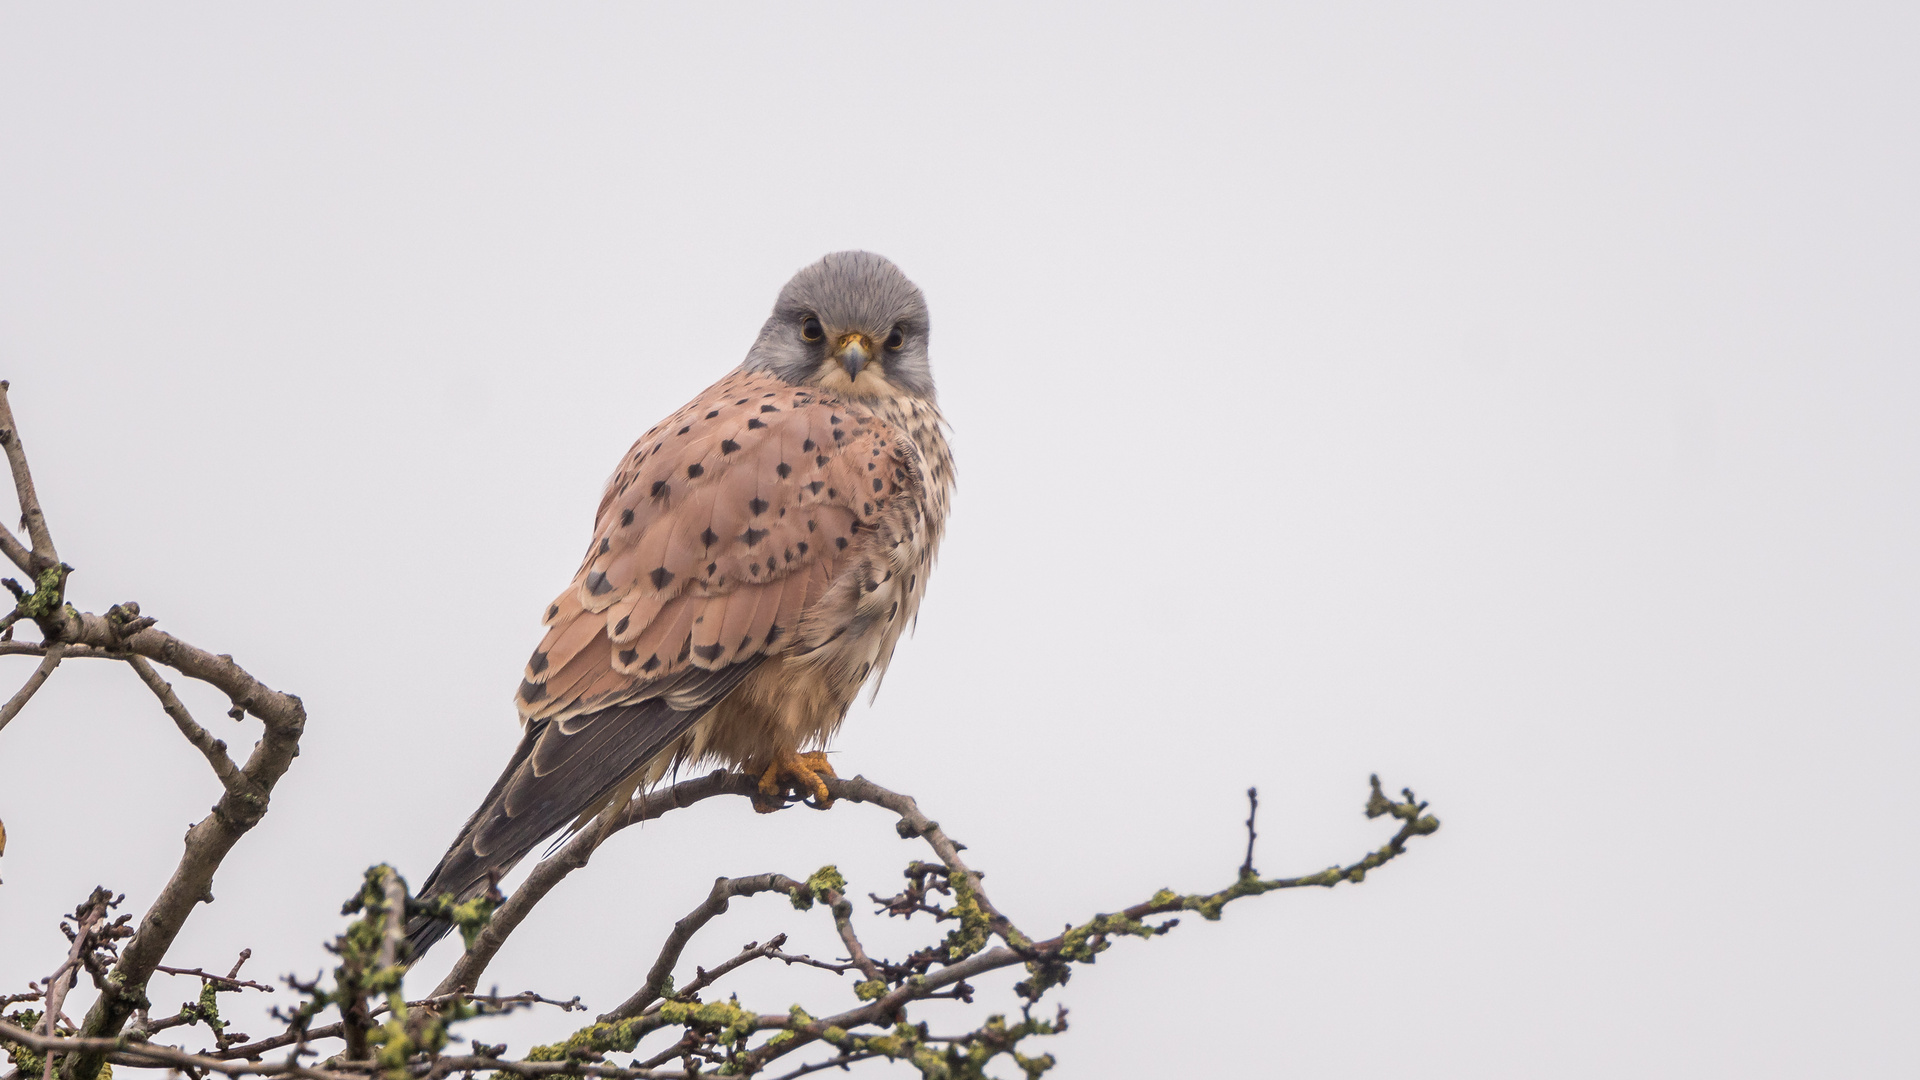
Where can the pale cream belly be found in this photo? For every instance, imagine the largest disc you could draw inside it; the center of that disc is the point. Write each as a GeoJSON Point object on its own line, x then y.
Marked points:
{"type": "Point", "coordinates": [781, 708]}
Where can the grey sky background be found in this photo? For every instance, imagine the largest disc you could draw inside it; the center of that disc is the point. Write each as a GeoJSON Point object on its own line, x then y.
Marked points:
{"type": "Point", "coordinates": [1517, 402]}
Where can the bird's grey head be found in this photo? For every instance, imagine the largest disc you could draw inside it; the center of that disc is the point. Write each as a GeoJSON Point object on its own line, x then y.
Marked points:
{"type": "Point", "coordinates": [851, 323]}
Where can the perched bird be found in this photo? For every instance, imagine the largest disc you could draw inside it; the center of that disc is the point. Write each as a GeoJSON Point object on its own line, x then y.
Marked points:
{"type": "Point", "coordinates": [753, 562]}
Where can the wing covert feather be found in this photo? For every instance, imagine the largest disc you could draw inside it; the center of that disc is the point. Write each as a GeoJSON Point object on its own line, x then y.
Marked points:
{"type": "Point", "coordinates": [711, 513]}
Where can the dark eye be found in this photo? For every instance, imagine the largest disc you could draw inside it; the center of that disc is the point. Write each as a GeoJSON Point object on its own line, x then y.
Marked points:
{"type": "Point", "coordinates": [810, 329]}
{"type": "Point", "coordinates": [896, 339]}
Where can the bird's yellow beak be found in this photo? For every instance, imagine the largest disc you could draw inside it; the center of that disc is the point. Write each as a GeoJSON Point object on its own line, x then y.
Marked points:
{"type": "Point", "coordinates": [853, 353]}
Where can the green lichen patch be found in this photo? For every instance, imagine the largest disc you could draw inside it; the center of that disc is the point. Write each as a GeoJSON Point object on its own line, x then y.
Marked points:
{"type": "Point", "coordinates": [49, 591]}
{"type": "Point", "coordinates": [958, 1059]}
{"type": "Point", "coordinates": [975, 928]}
{"type": "Point", "coordinates": [827, 879]}
{"type": "Point", "coordinates": [26, 1060]}
{"type": "Point", "coordinates": [470, 918]}
{"type": "Point", "coordinates": [725, 1020]}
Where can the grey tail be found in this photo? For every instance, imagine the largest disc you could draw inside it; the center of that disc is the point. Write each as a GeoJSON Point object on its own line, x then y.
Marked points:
{"type": "Point", "coordinates": [558, 772]}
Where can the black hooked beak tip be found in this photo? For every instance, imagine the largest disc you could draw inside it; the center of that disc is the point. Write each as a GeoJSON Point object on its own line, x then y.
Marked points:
{"type": "Point", "coordinates": [853, 353]}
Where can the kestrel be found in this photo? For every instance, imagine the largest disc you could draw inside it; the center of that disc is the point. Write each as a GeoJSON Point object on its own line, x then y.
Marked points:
{"type": "Point", "coordinates": [753, 562]}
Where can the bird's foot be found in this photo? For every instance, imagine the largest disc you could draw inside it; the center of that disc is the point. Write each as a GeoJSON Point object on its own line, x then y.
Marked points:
{"type": "Point", "coordinates": [807, 774]}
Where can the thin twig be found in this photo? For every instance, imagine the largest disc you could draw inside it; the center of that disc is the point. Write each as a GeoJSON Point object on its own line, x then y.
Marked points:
{"type": "Point", "coordinates": [214, 750]}
{"type": "Point", "coordinates": [1253, 807]}
{"type": "Point", "coordinates": [85, 919]}
{"type": "Point", "coordinates": [718, 897]}
{"type": "Point", "coordinates": [1083, 943]}
{"type": "Point", "coordinates": [226, 981]}
{"type": "Point", "coordinates": [703, 978]}
{"type": "Point", "coordinates": [914, 823]}
{"type": "Point", "coordinates": [335, 1030]}
{"type": "Point", "coordinates": [842, 909]}
{"type": "Point", "coordinates": [807, 961]}
{"type": "Point", "coordinates": [43, 554]}
{"type": "Point", "coordinates": [840, 1062]}
{"type": "Point", "coordinates": [68, 651]}
{"type": "Point", "coordinates": [572, 856]}
{"type": "Point", "coordinates": [52, 657]}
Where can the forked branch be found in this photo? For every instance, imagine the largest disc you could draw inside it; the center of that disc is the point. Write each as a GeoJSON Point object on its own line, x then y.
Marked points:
{"type": "Point", "coordinates": [124, 634]}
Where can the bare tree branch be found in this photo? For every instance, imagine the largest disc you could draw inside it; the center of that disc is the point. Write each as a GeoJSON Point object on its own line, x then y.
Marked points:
{"type": "Point", "coordinates": [68, 652]}
{"type": "Point", "coordinates": [122, 632]}
{"type": "Point", "coordinates": [11, 709]}
{"type": "Point", "coordinates": [842, 909]}
{"type": "Point", "coordinates": [723, 891]}
{"type": "Point", "coordinates": [86, 920]}
{"type": "Point", "coordinates": [913, 823]}
{"type": "Point", "coordinates": [225, 982]}
{"type": "Point", "coordinates": [965, 955]}
{"type": "Point", "coordinates": [149, 1055]}
{"type": "Point", "coordinates": [576, 852]}
{"type": "Point", "coordinates": [43, 556]}
{"type": "Point", "coordinates": [1253, 808]}
{"type": "Point", "coordinates": [214, 750]}
{"type": "Point", "coordinates": [14, 550]}
{"type": "Point", "coordinates": [207, 843]}
{"type": "Point", "coordinates": [703, 978]}
{"type": "Point", "coordinates": [336, 1031]}
{"type": "Point", "coordinates": [1082, 943]}
{"type": "Point", "coordinates": [840, 1062]}
{"type": "Point", "coordinates": [572, 856]}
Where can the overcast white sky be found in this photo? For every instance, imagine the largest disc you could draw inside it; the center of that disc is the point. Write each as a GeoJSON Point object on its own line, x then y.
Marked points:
{"type": "Point", "coordinates": [1518, 402]}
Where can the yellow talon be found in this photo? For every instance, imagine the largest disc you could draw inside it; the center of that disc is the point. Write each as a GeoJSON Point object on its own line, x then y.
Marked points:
{"type": "Point", "coordinates": [805, 774]}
